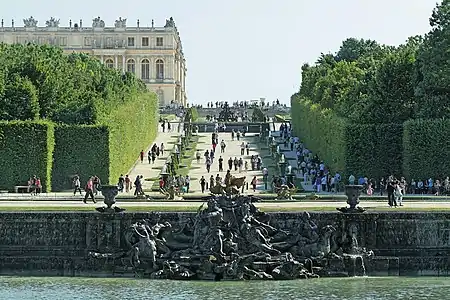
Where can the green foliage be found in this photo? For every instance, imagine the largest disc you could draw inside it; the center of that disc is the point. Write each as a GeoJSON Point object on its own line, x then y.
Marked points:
{"type": "Point", "coordinates": [132, 127]}
{"type": "Point", "coordinates": [321, 131]}
{"type": "Point", "coordinates": [82, 150]}
{"type": "Point", "coordinates": [433, 66]}
{"type": "Point", "coordinates": [358, 80]}
{"type": "Point", "coordinates": [191, 114]}
{"type": "Point", "coordinates": [360, 149]}
{"type": "Point", "coordinates": [382, 92]}
{"type": "Point", "coordinates": [373, 150]}
{"type": "Point", "coordinates": [41, 82]}
{"type": "Point", "coordinates": [20, 100]}
{"type": "Point", "coordinates": [69, 89]}
{"type": "Point", "coordinates": [426, 147]}
{"type": "Point", "coordinates": [26, 149]}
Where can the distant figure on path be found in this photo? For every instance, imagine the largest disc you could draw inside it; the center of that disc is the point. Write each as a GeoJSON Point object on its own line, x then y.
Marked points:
{"type": "Point", "coordinates": [142, 156]}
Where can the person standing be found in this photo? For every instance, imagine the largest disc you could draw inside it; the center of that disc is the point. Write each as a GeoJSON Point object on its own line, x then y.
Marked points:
{"type": "Point", "coordinates": [398, 194]}
{"type": "Point", "coordinates": [127, 184]}
{"type": "Point", "coordinates": [121, 183]}
{"type": "Point", "coordinates": [89, 189]}
{"type": "Point", "coordinates": [254, 182]}
{"type": "Point", "coordinates": [202, 184]}
{"type": "Point", "coordinates": [265, 177]}
{"type": "Point", "coordinates": [390, 188]}
{"type": "Point", "coordinates": [220, 164]}
{"type": "Point", "coordinates": [76, 185]}
{"type": "Point", "coordinates": [142, 156]}
{"type": "Point", "coordinates": [187, 182]}
{"type": "Point", "coordinates": [212, 182]}
{"type": "Point", "coordinates": [161, 148]}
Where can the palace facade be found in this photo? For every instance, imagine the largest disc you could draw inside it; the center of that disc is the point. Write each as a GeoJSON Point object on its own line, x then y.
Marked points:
{"type": "Point", "coordinates": [153, 54]}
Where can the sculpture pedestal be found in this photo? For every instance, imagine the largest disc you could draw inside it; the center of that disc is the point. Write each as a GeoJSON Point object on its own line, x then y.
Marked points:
{"type": "Point", "coordinates": [282, 165]}
{"type": "Point", "coordinates": [109, 192]}
{"type": "Point", "coordinates": [290, 178]}
{"type": "Point", "coordinates": [352, 192]}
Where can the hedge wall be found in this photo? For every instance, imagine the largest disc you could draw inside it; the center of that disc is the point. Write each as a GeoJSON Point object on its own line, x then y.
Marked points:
{"type": "Point", "coordinates": [26, 149]}
{"type": "Point", "coordinates": [426, 148]}
{"type": "Point", "coordinates": [374, 150]}
{"type": "Point", "coordinates": [321, 131]}
{"type": "Point", "coordinates": [133, 126]}
{"type": "Point", "coordinates": [82, 150]}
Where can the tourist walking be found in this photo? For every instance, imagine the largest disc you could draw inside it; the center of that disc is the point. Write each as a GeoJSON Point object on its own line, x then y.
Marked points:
{"type": "Point", "coordinates": [76, 185]}
{"type": "Point", "coordinates": [142, 156]}
{"type": "Point", "coordinates": [89, 189]}
{"type": "Point", "coordinates": [121, 183]}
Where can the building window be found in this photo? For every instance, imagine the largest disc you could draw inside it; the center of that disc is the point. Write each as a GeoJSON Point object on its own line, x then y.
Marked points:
{"type": "Point", "coordinates": [131, 42]}
{"type": "Point", "coordinates": [131, 66]}
{"type": "Point", "coordinates": [145, 42]}
{"type": "Point", "coordinates": [63, 41]}
{"type": "Point", "coordinates": [145, 69]}
{"type": "Point", "coordinates": [159, 42]}
{"type": "Point", "coordinates": [109, 63]}
{"type": "Point", "coordinates": [159, 69]}
{"type": "Point", "coordinates": [87, 41]}
{"type": "Point", "coordinates": [42, 40]}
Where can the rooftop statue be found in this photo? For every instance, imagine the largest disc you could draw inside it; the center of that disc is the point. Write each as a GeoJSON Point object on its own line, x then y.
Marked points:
{"type": "Point", "coordinates": [98, 23]}
{"type": "Point", "coordinates": [120, 23]}
{"type": "Point", "coordinates": [52, 22]}
{"type": "Point", "coordinates": [30, 22]}
{"type": "Point", "coordinates": [170, 23]}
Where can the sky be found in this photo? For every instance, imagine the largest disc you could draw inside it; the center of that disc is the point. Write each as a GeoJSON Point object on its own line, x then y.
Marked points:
{"type": "Point", "coordinates": [247, 49]}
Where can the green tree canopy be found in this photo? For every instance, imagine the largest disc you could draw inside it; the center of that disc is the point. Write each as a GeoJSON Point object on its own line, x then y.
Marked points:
{"type": "Point", "coordinates": [44, 83]}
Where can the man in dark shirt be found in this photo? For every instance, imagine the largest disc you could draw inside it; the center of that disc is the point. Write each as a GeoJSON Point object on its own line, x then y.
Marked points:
{"type": "Point", "coordinates": [390, 191]}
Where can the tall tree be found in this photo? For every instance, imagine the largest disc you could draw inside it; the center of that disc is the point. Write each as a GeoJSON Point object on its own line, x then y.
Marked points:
{"type": "Point", "coordinates": [433, 66]}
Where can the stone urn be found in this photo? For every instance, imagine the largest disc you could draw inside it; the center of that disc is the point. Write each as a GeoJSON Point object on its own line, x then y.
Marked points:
{"type": "Point", "coordinates": [352, 192]}
{"type": "Point", "coordinates": [109, 192]}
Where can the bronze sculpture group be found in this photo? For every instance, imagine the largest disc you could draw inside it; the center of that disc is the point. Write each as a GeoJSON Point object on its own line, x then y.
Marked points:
{"type": "Point", "coordinates": [230, 239]}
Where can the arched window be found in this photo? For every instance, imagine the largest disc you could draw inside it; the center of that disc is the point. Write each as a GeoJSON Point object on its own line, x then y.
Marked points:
{"type": "Point", "coordinates": [159, 69]}
{"type": "Point", "coordinates": [131, 66]}
{"type": "Point", "coordinates": [145, 69]}
{"type": "Point", "coordinates": [109, 63]}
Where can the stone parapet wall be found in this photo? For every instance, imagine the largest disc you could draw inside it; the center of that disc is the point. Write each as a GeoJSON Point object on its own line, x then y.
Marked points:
{"type": "Point", "coordinates": [57, 243]}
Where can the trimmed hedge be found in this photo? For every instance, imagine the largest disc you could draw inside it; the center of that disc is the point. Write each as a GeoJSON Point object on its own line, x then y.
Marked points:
{"type": "Point", "coordinates": [426, 149]}
{"type": "Point", "coordinates": [106, 150]}
{"type": "Point", "coordinates": [82, 150]}
{"type": "Point", "coordinates": [26, 149]}
{"type": "Point", "coordinates": [373, 150]}
{"type": "Point", "coordinates": [321, 131]}
{"type": "Point", "coordinates": [132, 126]}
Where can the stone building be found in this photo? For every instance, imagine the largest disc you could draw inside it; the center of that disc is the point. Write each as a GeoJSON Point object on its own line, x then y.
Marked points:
{"type": "Point", "coordinates": [154, 54]}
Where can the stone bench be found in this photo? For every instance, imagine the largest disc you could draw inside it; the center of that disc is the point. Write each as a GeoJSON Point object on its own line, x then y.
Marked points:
{"type": "Point", "coordinates": [20, 187]}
